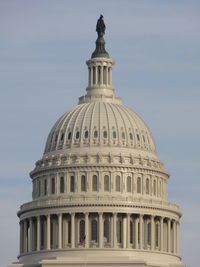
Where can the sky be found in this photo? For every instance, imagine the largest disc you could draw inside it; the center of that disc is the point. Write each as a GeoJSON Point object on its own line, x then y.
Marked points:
{"type": "Point", "coordinates": [43, 49]}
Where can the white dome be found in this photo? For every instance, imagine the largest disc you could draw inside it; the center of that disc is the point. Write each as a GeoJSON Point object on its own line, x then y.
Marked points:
{"type": "Point", "coordinates": [99, 124]}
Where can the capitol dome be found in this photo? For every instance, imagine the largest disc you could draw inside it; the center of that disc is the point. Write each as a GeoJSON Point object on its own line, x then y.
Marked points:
{"type": "Point", "coordinates": [99, 193]}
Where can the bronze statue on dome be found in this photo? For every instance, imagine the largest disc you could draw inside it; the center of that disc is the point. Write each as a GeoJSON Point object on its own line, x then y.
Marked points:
{"type": "Point", "coordinates": [100, 27]}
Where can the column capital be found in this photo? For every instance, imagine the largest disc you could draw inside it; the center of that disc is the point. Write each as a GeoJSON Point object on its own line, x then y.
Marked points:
{"type": "Point", "coordinates": [100, 213]}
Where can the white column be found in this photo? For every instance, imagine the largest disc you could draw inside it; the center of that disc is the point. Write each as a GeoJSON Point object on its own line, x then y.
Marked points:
{"type": "Point", "coordinates": [128, 231]}
{"type": "Point", "coordinates": [114, 230]}
{"type": "Point", "coordinates": [21, 238]}
{"type": "Point", "coordinates": [152, 233]}
{"type": "Point", "coordinates": [106, 75]}
{"type": "Point", "coordinates": [161, 233]}
{"type": "Point", "coordinates": [174, 236]}
{"type": "Point", "coordinates": [72, 230]}
{"type": "Point", "coordinates": [177, 243]}
{"type": "Point", "coordinates": [31, 234]}
{"type": "Point", "coordinates": [25, 236]}
{"type": "Point", "coordinates": [60, 230]}
{"type": "Point", "coordinates": [100, 229]}
{"type": "Point", "coordinates": [89, 76]}
{"type": "Point", "coordinates": [48, 231]}
{"type": "Point", "coordinates": [141, 231]}
{"type": "Point", "coordinates": [124, 222]}
{"type": "Point", "coordinates": [38, 233]}
{"type": "Point", "coordinates": [86, 230]}
{"type": "Point", "coordinates": [96, 75]}
{"type": "Point", "coordinates": [110, 76]}
{"type": "Point", "coordinates": [169, 235]}
{"type": "Point", "coordinates": [136, 233]}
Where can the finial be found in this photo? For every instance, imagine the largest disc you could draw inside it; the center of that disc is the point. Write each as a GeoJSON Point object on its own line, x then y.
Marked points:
{"type": "Point", "coordinates": [100, 50]}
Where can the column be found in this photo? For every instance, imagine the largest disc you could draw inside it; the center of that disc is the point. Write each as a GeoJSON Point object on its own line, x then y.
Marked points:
{"type": "Point", "coordinates": [174, 236]}
{"type": "Point", "coordinates": [177, 242]}
{"type": "Point", "coordinates": [86, 230]}
{"type": "Point", "coordinates": [152, 233]}
{"type": "Point", "coordinates": [60, 230]}
{"type": "Point", "coordinates": [38, 233]}
{"type": "Point", "coordinates": [114, 230]}
{"type": "Point", "coordinates": [100, 229]}
{"type": "Point", "coordinates": [89, 76]}
{"type": "Point", "coordinates": [31, 234]}
{"type": "Point", "coordinates": [169, 235]}
{"type": "Point", "coordinates": [136, 233]}
{"type": "Point", "coordinates": [101, 78]}
{"type": "Point", "coordinates": [72, 230]}
{"type": "Point", "coordinates": [96, 75]}
{"type": "Point", "coordinates": [21, 237]}
{"type": "Point", "coordinates": [161, 233]}
{"type": "Point", "coordinates": [141, 231]}
{"type": "Point", "coordinates": [110, 76]}
{"type": "Point", "coordinates": [124, 222]}
{"type": "Point", "coordinates": [128, 231]}
{"type": "Point", "coordinates": [48, 231]}
{"type": "Point", "coordinates": [25, 236]}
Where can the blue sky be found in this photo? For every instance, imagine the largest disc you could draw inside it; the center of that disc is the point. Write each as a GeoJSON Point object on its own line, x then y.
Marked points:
{"type": "Point", "coordinates": [43, 49]}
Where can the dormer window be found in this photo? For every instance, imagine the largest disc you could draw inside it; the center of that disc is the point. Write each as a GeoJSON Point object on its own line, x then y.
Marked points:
{"type": "Point", "coordinates": [114, 135]}
{"type": "Point", "coordinates": [95, 134]}
{"type": "Point", "coordinates": [123, 135]}
{"type": "Point", "coordinates": [77, 135]}
{"type": "Point", "coordinates": [86, 134]}
{"type": "Point", "coordinates": [105, 134]}
{"type": "Point", "coordinates": [69, 136]}
{"type": "Point", "coordinates": [138, 137]}
{"type": "Point", "coordinates": [62, 137]}
{"type": "Point", "coordinates": [131, 136]}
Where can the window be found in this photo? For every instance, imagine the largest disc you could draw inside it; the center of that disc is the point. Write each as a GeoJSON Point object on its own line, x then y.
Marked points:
{"type": "Point", "coordinates": [131, 232]}
{"type": "Point", "coordinates": [62, 137]}
{"type": "Point", "coordinates": [83, 183]}
{"type": "Point", "coordinates": [77, 135]}
{"type": "Point", "coordinates": [94, 230]}
{"type": "Point", "coordinates": [62, 184]}
{"type": "Point", "coordinates": [131, 136]}
{"type": "Point", "coordinates": [147, 186]}
{"type": "Point", "coordinates": [106, 231]}
{"type": "Point", "coordinates": [105, 134]}
{"type": "Point", "coordinates": [117, 183]}
{"type": "Point", "coordinates": [82, 231]}
{"type": "Point", "coordinates": [95, 134]}
{"type": "Point", "coordinates": [45, 187]}
{"type": "Point", "coordinates": [157, 230]}
{"type": "Point", "coordinates": [114, 135]}
{"type": "Point", "coordinates": [52, 185]}
{"type": "Point", "coordinates": [94, 183]}
{"type": "Point", "coordinates": [106, 183]}
{"type": "Point", "coordinates": [128, 184]}
{"type": "Point", "coordinates": [72, 184]}
{"type": "Point", "coordinates": [123, 135]}
{"type": "Point", "coordinates": [69, 232]}
{"type": "Point", "coordinates": [69, 136]}
{"type": "Point", "coordinates": [154, 187]}
{"type": "Point", "coordinates": [119, 231]}
{"type": "Point", "coordinates": [138, 137]}
{"type": "Point", "coordinates": [86, 134]}
{"type": "Point", "coordinates": [139, 185]}
{"type": "Point", "coordinates": [149, 233]}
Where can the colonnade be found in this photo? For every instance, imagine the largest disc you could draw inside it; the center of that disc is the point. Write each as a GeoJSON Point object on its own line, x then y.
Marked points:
{"type": "Point", "coordinates": [100, 75]}
{"type": "Point", "coordinates": [99, 230]}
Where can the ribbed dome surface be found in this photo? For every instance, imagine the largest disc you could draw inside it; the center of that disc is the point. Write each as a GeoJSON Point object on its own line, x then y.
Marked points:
{"type": "Point", "coordinates": [99, 124]}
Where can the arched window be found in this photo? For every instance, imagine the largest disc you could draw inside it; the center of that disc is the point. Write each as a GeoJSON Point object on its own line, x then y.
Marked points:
{"type": "Point", "coordinates": [62, 184]}
{"type": "Point", "coordinates": [106, 183]}
{"type": "Point", "coordinates": [86, 134]}
{"type": "Point", "coordinates": [94, 183]}
{"type": "Point", "coordinates": [117, 183]}
{"type": "Point", "coordinates": [128, 184]}
{"type": "Point", "coordinates": [147, 186]}
{"type": "Point", "coordinates": [114, 135]}
{"type": "Point", "coordinates": [72, 184]}
{"type": "Point", "coordinates": [119, 231]}
{"type": "Point", "coordinates": [149, 233]}
{"type": "Point", "coordinates": [154, 187]}
{"type": "Point", "coordinates": [106, 231]}
{"type": "Point", "coordinates": [69, 136]}
{"type": "Point", "coordinates": [95, 134]}
{"type": "Point", "coordinates": [139, 185]}
{"type": "Point", "coordinates": [94, 230]}
{"type": "Point", "coordinates": [105, 134]}
{"type": "Point", "coordinates": [83, 183]}
{"type": "Point", "coordinates": [82, 231]}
